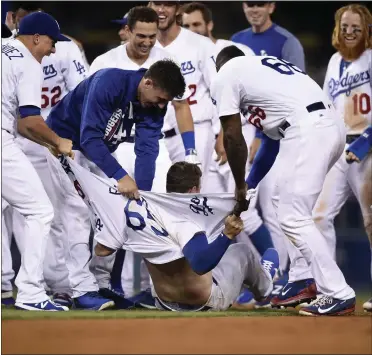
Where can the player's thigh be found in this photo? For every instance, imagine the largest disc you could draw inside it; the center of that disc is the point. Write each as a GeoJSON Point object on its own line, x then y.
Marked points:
{"type": "Point", "coordinates": [303, 165]}
{"type": "Point", "coordinates": [21, 185]}
{"type": "Point", "coordinates": [335, 192]}
{"type": "Point", "coordinates": [361, 183]}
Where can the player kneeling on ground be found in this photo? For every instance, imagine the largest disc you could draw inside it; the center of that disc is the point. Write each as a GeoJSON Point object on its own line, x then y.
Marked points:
{"type": "Point", "coordinates": [190, 272]}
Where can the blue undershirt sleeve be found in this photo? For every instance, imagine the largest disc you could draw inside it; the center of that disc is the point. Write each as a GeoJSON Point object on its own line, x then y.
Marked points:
{"type": "Point", "coordinates": [204, 257]}
{"type": "Point", "coordinates": [263, 161]}
{"type": "Point", "coordinates": [25, 111]}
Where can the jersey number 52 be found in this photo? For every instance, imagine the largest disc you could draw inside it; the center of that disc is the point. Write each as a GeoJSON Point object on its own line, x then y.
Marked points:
{"type": "Point", "coordinates": [51, 99]}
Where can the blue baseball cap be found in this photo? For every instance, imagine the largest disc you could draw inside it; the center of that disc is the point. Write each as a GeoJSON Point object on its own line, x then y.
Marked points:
{"type": "Point", "coordinates": [122, 21]}
{"type": "Point", "coordinates": [43, 24]}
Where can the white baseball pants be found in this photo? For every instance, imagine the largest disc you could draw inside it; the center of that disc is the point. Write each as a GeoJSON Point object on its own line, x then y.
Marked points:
{"type": "Point", "coordinates": [7, 272]}
{"type": "Point", "coordinates": [310, 147]}
{"type": "Point", "coordinates": [23, 190]}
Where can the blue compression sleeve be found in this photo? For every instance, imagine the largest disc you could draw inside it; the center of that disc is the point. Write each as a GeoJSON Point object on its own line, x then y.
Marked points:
{"type": "Point", "coordinates": [258, 134]}
{"type": "Point", "coordinates": [263, 161]}
{"type": "Point", "coordinates": [362, 145]}
{"type": "Point", "coordinates": [204, 257]}
{"type": "Point", "coordinates": [188, 139]}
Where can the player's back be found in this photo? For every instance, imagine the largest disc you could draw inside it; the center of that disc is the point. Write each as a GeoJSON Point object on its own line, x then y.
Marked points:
{"type": "Point", "coordinates": [16, 60]}
{"type": "Point", "coordinates": [273, 85]}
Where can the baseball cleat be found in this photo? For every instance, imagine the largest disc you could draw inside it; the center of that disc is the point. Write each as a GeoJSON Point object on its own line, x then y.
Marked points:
{"type": "Point", "coordinates": [120, 301]}
{"type": "Point", "coordinates": [295, 293]}
{"type": "Point", "coordinates": [62, 299]}
{"type": "Point", "coordinates": [7, 298]}
{"type": "Point", "coordinates": [48, 306]}
{"type": "Point", "coordinates": [329, 306]}
{"type": "Point", "coordinates": [367, 306]}
{"type": "Point", "coordinates": [280, 281]}
{"type": "Point", "coordinates": [92, 301]}
{"type": "Point", "coordinates": [144, 300]}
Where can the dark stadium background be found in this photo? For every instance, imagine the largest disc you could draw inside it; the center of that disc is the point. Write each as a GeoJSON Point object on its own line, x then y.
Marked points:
{"type": "Point", "coordinates": [312, 22]}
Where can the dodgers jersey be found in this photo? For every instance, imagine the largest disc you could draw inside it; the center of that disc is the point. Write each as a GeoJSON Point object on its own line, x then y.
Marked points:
{"type": "Point", "coordinates": [157, 226]}
{"type": "Point", "coordinates": [349, 87]}
{"type": "Point", "coordinates": [266, 90]}
{"type": "Point", "coordinates": [21, 81]}
{"type": "Point", "coordinates": [99, 114]}
{"type": "Point", "coordinates": [63, 71]}
{"type": "Point", "coordinates": [196, 55]}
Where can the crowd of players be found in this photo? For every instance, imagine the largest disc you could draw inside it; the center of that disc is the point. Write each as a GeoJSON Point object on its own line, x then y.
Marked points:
{"type": "Point", "coordinates": [51, 223]}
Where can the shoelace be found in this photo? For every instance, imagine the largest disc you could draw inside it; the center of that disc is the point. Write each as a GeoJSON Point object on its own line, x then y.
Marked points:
{"type": "Point", "coordinates": [267, 265]}
{"type": "Point", "coordinates": [323, 300]}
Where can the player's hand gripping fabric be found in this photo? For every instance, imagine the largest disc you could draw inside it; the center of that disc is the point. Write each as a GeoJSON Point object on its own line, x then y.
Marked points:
{"type": "Point", "coordinates": [128, 187]}
{"type": "Point", "coordinates": [360, 148]}
{"type": "Point", "coordinates": [243, 196]}
{"type": "Point", "coordinates": [63, 147]}
{"type": "Point", "coordinates": [233, 226]}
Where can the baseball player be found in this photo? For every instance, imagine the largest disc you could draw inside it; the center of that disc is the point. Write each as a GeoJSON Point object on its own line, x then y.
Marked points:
{"type": "Point", "coordinates": [265, 37]}
{"type": "Point", "coordinates": [98, 115]}
{"type": "Point", "coordinates": [195, 53]}
{"type": "Point", "coordinates": [348, 86]}
{"type": "Point", "coordinates": [198, 18]}
{"type": "Point", "coordinates": [183, 238]}
{"type": "Point", "coordinates": [288, 106]}
{"type": "Point", "coordinates": [123, 33]}
{"type": "Point", "coordinates": [139, 52]}
{"type": "Point", "coordinates": [21, 185]}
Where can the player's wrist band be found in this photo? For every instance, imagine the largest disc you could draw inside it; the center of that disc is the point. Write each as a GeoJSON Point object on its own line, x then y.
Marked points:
{"type": "Point", "coordinates": [188, 139]}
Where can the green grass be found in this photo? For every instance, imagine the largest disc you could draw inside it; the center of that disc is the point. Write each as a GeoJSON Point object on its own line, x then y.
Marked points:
{"type": "Point", "coordinates": [11, 313]}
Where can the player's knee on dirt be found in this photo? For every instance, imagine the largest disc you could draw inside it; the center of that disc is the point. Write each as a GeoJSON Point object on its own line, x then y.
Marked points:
{"type": "Point", "coordinates": [102, 250]}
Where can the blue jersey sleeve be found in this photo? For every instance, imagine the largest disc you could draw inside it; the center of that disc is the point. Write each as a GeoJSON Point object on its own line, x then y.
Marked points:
{"type": "Point", "coordinates": [147, 150]}
{"type": "Point", "coordinates": [263, 161]}
{"type": "Point", "coordinates": [97, 109]}
{"type": "Point", "coordinates": [293, 52]}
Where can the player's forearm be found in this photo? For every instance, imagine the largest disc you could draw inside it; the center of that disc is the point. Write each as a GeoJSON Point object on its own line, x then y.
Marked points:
{"type": "Point", "coordinates": [263, 161]}
{"type": "Point", "coordinates": [235, 147]}
{"type": "Point", "coordinates": [202, 256]}
{"type": "Point", "coordinates": [35, 129]}
{"type": "Point", "coordinates": [185, 123]}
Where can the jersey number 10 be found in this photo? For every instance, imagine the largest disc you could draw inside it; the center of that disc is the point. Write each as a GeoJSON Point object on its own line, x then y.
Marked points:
{"type": "Point", "coordinates": [362, 104]}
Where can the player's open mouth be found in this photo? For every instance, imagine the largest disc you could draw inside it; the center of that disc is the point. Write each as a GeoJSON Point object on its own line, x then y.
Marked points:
{"type": "Point", "coordinates": [162, 18]}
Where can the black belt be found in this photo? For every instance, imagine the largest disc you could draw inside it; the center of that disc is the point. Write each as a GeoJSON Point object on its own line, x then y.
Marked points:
{"type": "Point", "coordinates": [350, 138]}
{"type": "Point", "coordinates": [170, 133]}
{"type": "Point", "coordinates": [311, 108]}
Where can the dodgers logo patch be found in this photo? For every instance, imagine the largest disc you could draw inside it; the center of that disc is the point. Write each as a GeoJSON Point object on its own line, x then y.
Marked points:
{"type": "Point", "coordinates": [346, 84]}
{"type": "Point", "coordinates": [187, 68]}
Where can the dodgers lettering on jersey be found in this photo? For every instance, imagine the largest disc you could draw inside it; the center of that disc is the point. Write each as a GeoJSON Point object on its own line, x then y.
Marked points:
{"type": "Point", "coordinates": [63, 71]}
{"type": "Point", "coordinates": [195, 53]}
{"type": "Point", "coordinates": [348, 85]}
{"type": "Point", "coordinates": [266, 90]}
{"type": "Point", "coordinates": [21, 82]}
{"type": "Point", "coordinates": [157, 226]}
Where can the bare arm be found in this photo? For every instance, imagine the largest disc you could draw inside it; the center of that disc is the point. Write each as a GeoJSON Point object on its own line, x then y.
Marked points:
{"type": "Point", "coordinates": [183, 116]}
{"type": "Point", "coordinates": [35, 129]}
{"type": "Point", "coordinates": [235, 146]}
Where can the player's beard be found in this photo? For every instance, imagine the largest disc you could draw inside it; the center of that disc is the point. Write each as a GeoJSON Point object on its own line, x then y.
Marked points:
{"type": "Point", "coordinates": [353, 53]}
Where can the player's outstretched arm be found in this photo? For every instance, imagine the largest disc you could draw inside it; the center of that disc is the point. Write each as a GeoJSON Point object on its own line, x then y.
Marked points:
{"type": "Point", "coordinates": [236, 150]}
{"type": "Point", "coordinates": [34, 128]}
{"type": "Point", "coordinates": [185, 125]}
{"type": "Point", "coordinates": [203, 256]}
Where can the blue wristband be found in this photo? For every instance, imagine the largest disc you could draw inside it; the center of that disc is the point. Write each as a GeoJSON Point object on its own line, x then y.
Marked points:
{"type": "Point", "coordinates": [29, 110]}
{"type": "Point", "coordinates": [188, 139]}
